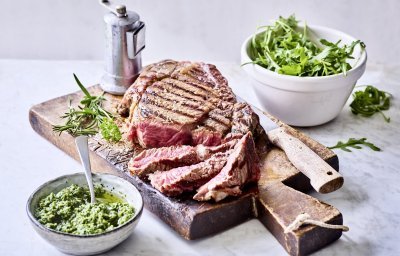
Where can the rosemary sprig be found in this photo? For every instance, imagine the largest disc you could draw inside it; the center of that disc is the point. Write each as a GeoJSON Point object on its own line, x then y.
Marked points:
{"type": "Point", "coordinates": [89, 117]}
{"type": "Point", "coordinates": [354, 143]}
{"type": "Point", "coordinates": [370, 101]}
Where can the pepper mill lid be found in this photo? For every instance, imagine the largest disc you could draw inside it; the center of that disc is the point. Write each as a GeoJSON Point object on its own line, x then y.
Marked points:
{"type": "Point", "coordinates": [125, 39]}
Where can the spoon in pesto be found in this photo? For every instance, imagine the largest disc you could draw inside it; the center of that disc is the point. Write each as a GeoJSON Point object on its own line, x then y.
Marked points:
{"type": "Point", "coordinates": [83, 150]}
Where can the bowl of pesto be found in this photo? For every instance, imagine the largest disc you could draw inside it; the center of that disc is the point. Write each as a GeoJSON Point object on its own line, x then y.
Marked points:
{"type": "Point", "coordinates": [61, 213]}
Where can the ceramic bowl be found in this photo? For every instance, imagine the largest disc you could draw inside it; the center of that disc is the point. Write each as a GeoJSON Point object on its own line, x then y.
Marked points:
{"type": "Point", "coordinates": [86, 244]}
{"type": "Point", "coordinates": [305, 101]}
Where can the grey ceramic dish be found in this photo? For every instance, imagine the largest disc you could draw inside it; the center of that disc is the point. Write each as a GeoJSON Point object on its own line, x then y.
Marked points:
{"type": "Point", "coordinates": [88, 244]}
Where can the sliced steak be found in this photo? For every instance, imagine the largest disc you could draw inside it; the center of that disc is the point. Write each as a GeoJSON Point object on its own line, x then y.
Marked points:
{"type": "Point", "coordinates": [188, 178]}
{"type": "Point", "coordinates": [241, 168]}
{"type": "Point", "coordinates": [165, 158]}
{"type": "Point", "coordinates": [194, 133]}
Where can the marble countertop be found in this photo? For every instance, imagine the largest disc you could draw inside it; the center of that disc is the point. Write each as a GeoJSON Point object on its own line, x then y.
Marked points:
{"type": "Point", "coordinates": [369, 199]}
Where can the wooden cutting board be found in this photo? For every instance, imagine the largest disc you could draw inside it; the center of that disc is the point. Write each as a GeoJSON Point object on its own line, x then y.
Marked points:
{"type": "Point", "coordinates": [276, 201]}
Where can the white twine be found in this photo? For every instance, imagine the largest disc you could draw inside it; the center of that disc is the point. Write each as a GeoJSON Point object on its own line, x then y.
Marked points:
{"type": "Point", "coordinates": [305, 218]}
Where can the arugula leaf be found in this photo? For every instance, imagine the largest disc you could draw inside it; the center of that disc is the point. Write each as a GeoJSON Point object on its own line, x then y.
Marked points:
{"type": "Point", "coordinates": [366, 103]}
{"type": "Point", "coordinates": [89, 117]}
{"type": "Point", "coordinates": [370, 101]}
{"type": "Point", "coordinates": [294, 69]}
{"type": "Point", "coordinates": [282, 48]}
{"type": "Point", "coordinates": [353, 143]}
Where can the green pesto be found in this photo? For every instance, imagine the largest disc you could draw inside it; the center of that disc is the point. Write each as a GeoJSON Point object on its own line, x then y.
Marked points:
{"type": "Point", "coordinates": [70, 211]}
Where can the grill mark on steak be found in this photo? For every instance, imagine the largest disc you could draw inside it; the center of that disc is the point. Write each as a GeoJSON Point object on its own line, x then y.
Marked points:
{"type": "Point", "coordinates": [144, 113]}
{"type": "Point", "coordinates": [182, 92]}
{"type": "Point", "coordinates": [202, 75]}
{"type": "Point", "coordinates": [244, 119]}
{"type": "Point", "coordinates": [220, 83]}
{"type": "Point", "coordinates": [162, 88]}
{"type": "Point", "coordinates": [215, 126]}
{"type": "Point", "coordinates": [149, 75]}
{"type": "Point", "coordinates": [166, 114]}
{"type": "Point", "coordinates": [188, 71]}
{"type": "Point", "coordinates": [196, 90]}
{"type": "Point", "coordinates": [177, 99]}
{"type": "Point", "coordinates": [195, 82]}
{"type": "Point", "coordinates": [190, 88]}
{"type": "Point", "coordinates": [218, 116]}
{"type": "Point", "coordinates": [198, 84]}
{"type": "Point", "coordinates": [168, 104]}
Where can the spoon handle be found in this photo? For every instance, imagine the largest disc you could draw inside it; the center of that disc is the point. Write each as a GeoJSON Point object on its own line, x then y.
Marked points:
{"type": "Point", "coordinates": [83, 150]}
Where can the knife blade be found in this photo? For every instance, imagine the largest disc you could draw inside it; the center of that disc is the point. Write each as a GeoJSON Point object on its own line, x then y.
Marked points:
{"type": "Point", "coordinates": [323, 178]}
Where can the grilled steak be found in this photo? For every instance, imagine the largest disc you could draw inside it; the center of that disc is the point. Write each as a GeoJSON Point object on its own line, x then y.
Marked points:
{"type": "Point", "coordinates": [165, 158]}
{"type": "Point", "coordinates": [179, 103]}
{"type": "Point", "coordinates": [241, 168]}
{"type": "Point", "coordinates": [188, 178]}
{"type": "Point", "coordinates": [193, 131]}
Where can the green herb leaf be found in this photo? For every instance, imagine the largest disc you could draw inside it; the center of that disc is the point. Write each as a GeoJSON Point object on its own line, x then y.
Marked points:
{"type": "Point", "coordinates": [353, 143]}
{"type": "Point", "coordinates": [84, 90]}
{"type": "Point", "coordinates": [283, 48]}
{"type": "Point", "coordinates": [370, 101]}
{"type": "Point", "coordinates": [89, 117]}
{"type": "Point", "coordinates": [109, 130]}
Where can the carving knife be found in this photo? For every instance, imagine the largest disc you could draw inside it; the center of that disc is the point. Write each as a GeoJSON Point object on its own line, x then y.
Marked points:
{"type": "Point", "coordinates": [323, 178]}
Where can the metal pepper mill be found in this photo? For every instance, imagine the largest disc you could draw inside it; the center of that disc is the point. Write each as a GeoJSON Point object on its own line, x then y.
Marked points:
{"type": "Point", "coordinates": [125, 39]}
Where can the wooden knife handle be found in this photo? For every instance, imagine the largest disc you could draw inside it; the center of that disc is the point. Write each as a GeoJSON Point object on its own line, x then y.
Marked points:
{"type": "Point", "coordinates": [323, 177]}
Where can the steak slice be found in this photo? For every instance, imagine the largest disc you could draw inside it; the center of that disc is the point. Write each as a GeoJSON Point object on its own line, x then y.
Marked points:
{"type": "Point", "coordinates": [165, 158]}
{"type": "Point", "coordinates": [241, 168]}
{"type": "Point", "coordinates": [162, 159]}
{"type": "Point", "coordinates": [188, 178]}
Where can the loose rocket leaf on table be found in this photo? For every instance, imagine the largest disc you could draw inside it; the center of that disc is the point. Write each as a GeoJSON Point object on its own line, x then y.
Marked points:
{"type": "Point", "coordinates": [370, 101]}
{"type": "Point", "coordinates": [354, 143]}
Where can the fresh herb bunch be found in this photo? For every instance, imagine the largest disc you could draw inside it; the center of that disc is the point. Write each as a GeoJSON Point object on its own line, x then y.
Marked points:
{"type": "Point", "coordinates": [285, 49]}
{"type": "Point", "coordinates": [89, 117]}
{"type": "Point", "coordinates": [354, 143]}
{"type": "Point", "coordinates": [370, 101]}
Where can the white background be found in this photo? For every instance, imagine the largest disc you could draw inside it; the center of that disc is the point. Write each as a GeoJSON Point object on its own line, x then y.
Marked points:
{"type": "Point", "coordinates": [187, 29]}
